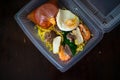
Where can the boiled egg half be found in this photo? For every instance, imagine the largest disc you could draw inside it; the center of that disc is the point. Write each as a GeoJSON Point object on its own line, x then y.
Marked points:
{"type": "Point", "coordinates": [66, 20]}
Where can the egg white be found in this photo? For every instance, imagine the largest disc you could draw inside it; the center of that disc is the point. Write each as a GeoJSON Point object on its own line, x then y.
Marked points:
{"type": "Point", "coordinates": [64, 15]}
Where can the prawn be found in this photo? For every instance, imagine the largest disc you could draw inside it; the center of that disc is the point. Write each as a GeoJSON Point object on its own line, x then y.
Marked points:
{"type": "Point", "coordinates": [63, 55]}
{"type": "Point", "coordinates": [85, 32]}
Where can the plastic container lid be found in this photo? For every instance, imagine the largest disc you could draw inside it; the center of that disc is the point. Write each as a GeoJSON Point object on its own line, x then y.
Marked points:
{"type": "Point", "coordinates": [105, 13]}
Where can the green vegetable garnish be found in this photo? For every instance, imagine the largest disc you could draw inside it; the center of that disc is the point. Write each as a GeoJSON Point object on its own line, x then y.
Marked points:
{"type": "Point", "coordinates": [72, 45]}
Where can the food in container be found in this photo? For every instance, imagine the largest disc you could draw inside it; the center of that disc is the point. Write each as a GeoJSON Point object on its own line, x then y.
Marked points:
{"type": "Point", "coordinates": [62, 31]}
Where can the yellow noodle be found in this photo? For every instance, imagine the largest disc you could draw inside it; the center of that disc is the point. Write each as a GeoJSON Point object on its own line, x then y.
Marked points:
{"type": "Point", "coordinates": [41, 34]}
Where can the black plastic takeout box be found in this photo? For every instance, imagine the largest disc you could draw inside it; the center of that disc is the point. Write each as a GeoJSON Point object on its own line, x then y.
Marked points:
{"type": "Point", "coordinates": [100, 16]}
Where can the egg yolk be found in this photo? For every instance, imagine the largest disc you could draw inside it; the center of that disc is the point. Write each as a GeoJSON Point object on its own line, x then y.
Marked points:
{"type": "Point", "coordinates": [70, 22]}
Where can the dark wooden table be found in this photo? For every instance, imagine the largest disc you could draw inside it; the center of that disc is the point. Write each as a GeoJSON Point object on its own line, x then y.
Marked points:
{"type": "Point", "coordinates": [20, 59]}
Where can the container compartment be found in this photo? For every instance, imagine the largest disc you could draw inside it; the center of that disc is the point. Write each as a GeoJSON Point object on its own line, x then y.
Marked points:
{"type": "Point", "coordinates": [28, 28]}
{"type": "Point", "coordinates": [106, 13]}
{"type": "Point", "coordinates": [105, 6]}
